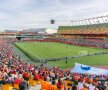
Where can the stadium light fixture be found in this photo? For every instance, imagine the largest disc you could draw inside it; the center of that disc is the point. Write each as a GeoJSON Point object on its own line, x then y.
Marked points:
{"type": "Point", "coordinates": [94, 20]}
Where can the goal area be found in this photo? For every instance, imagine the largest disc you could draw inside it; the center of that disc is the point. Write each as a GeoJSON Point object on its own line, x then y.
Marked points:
{"type": "Point", "coordinates": [82, 53]}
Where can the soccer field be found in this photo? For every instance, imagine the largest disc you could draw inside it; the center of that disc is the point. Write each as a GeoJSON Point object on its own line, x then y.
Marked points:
{"type": "Point", "coordinates": [100, 60]}
{"type": "Point", "coordinates": [53, 50]}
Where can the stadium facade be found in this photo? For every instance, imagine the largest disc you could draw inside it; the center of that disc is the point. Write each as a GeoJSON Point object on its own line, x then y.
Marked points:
{"type": "Point", "coordinates": [25, 34]}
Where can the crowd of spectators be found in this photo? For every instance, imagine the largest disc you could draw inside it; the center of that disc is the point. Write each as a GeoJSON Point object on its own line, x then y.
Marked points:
{"type": "Point", "coordinates": [15, 71]}
{"type": "Point", "coordinates": [86, 42]}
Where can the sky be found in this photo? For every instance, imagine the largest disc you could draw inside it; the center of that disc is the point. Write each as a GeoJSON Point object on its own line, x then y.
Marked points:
{"type": "Point", "coordinates": [23, 14]}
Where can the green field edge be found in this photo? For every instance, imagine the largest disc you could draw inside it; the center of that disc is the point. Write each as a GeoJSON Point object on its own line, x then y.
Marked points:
{"type": "Point", "coordinates": [71, 62]}
{"type": "Point", "coordinates": [34, 59]}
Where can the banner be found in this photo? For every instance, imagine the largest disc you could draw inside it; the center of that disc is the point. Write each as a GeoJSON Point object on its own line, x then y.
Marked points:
{"type": "Point", "coordinates": [80, 68]}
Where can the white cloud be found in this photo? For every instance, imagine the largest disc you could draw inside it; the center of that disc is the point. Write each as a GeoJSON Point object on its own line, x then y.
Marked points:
{"type": "Point", "coordinates": [19, 14]}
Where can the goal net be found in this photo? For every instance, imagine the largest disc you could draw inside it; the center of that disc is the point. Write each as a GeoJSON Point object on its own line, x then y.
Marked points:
{"type": "Point", "coordinates": [82, 53]}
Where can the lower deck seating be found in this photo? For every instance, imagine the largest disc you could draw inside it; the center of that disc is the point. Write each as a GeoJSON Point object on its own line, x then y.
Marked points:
{"type": "Point", "coordinates": [6, 87]}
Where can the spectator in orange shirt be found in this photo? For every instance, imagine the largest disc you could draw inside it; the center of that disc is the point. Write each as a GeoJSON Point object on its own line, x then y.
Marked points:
{"type": "Point", "coordinates": [63, 87]}
{"type": "Point", "coordinates": [53, 86]}
{"type": "Point", "coordinates": [45, 85]}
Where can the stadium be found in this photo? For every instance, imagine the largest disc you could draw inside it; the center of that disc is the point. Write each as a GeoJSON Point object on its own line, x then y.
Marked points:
{"type": "Point", "coordinates": [78, 44]}
{"type": "Point", "coordinates": [71, 57]}
{"type": "Point", "coordinates": [71, 44]}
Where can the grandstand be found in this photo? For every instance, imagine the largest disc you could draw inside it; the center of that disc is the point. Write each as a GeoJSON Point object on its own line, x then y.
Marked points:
{"type": "Point", "coordinates": [95, 35]}
{"type": "Point", "coordinates": [96, 29]}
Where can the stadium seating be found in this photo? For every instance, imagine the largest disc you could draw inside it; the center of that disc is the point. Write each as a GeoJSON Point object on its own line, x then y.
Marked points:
{"type": "Point", "coordinates": [12, 65]}
{"type": "Point", "coordinates": [6, 87]}
{"type": "Point", "coordinates": [16, 86]}
{"type": "Point", "coordinates": [32, 82]}
{"type": "Point", "coordinates": [76, 35]}
{"type": "Point", "coordinates": [84, 29]}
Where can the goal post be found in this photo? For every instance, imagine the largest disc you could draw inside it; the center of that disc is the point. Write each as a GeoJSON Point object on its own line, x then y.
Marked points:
{"type": "Point", "coordinates": [83, 53]}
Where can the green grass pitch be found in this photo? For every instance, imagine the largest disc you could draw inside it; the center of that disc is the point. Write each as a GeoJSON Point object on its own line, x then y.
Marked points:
{"type": "Point", "coordinates": [53, 50]}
